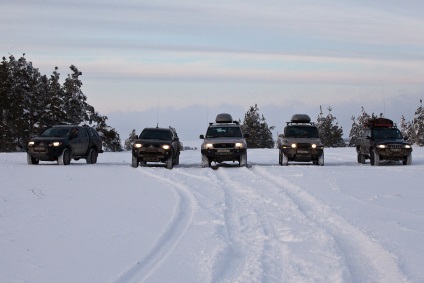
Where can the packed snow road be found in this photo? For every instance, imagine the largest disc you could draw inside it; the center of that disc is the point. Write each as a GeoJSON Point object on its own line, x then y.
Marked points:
{"type": "Point", "coordinates": [109, 222]}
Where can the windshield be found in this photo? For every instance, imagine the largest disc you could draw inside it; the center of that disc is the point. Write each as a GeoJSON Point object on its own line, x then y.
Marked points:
{"type": "Point", "coordinates": [301, 132]}
{"type": "Point", "coordinates": [153, 134]}
{"type": "Point", "coordinates": [56, 132]}
{"type": "Point", "coordinates": [222, 132]}
{"type": "Point", "coordinates": [386, 134]}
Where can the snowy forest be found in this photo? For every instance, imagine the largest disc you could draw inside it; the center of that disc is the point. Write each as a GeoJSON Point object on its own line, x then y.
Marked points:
{"type": "Point", "coordinates": [30, 102]}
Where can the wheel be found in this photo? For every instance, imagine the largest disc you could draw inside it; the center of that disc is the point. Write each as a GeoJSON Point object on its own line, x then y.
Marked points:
{"type": "Point", "coordinates": [134, 162]}
{"type": "Point", "coordinates": [374, 158]}
{"type": "Point", "coordinates": [284, 160]}
{"type": "Point", "coordinates": [65, 157]}
{"type": "Point", "coordinates": [143, 163]}
{"type": "Point", "coordinates": [177, 159]}
{"type": "Point", "coordinates": [280, 157]}
{"type": "Point", "coordinates": [92, 156]}
{"type": "Point", "coordinates": [169, 162]}
{"type": "Point", "coordinates": [205, 161]}
{"type": "Point", "coordinates": [407, 160]}
{"type": "Point", "coordinates": [31, 160]}
{"type": "Point", "coordinates": [321, 160]}
{"type": "Point", "coordinates": [361, 158]}
{"type": "Point", "coordinates": [243, 160]}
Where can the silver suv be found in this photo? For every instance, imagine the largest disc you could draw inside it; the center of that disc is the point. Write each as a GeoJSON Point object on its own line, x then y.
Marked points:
{"type": "Point", "coordinates": [300, 142]}
{"type": "Point", "coordinates": [224, 141]}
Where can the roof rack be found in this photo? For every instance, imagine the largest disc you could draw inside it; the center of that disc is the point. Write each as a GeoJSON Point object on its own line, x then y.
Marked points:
{"type": "Point", "coordinates": [379, 122]}
{"type": "Point", "coordinates": [300, 119]}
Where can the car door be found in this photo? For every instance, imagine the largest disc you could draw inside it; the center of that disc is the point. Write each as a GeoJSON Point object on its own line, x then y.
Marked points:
{"type": "Point", "coordinates": [84, 141]}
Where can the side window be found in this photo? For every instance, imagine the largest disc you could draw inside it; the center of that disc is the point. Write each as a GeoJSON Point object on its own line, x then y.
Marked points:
{"type": "Point", "coordinates": [82, 133]}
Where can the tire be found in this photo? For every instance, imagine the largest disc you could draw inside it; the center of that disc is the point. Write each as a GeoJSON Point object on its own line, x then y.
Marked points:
{"type": "Point", "coordinates": [177, 159]}
{"type": "Point", "coordinates": [361, 158]}
{"type": "Point", "coordinates": [243, 160]}
{"type": "Point", "coordinates": [92, 156]}
{"type": "Point", "coordinates": [134, 162]}
{"type": "Point", "coordinates": [143, 163]}
{"type": "Point", "coordinates": [407, 159]}
{"type": "Point", "coordinates": [170, 162]}
{"type": "Point", "coordinates": [205, 161]}
{"type": "Point", "coordinates": [31, 160]}
{"type": "Point", "coordinates": [321, 160]}
{"type": "Point", "coordinates": [374, 158]}
{"type": "Point", "coordinates": [65, 157]}
{"type": "Point", "coordinates": [284, 160]}
{"type": "Point", "coordinates": [280, 158]}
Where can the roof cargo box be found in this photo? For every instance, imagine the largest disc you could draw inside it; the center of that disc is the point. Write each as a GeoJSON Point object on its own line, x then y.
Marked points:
{"type": "Point", "coordinates": [300, 118]}
{"type": "Point", "coordinates": [379, 122]}
{"type": "Point", "coordinates": [224, 118]}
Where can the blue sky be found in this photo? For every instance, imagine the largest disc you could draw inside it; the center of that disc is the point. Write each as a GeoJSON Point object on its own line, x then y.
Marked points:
{"type": "Point", "coordinates": [286, 55]}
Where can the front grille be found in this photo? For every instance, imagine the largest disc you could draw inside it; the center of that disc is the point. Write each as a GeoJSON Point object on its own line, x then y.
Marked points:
{"type": "Point", "coordinates": [304, 146]}
{"type": "Point", "coordinates": [224, 145]}
{"type": "Point", "coordinates": [395, 146]}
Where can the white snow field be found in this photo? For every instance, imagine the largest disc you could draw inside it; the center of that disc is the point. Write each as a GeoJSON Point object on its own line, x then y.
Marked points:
{"type": "Point", "coordinates": [109, 222]}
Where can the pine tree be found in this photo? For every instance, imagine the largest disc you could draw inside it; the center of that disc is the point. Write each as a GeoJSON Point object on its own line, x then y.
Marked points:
{"type": "Point", "coordinates": [415, 130]}
{"type": "Point", "coordinates": [30, 101]}
{"type": "Point", "coordinates": [130, 140]}
{"type": "Point", "coordinates": [329, 131]}
{"type": "Point", "coordinates": [260, 135]}
{"type": "Point", "coordinates": [358, 126]}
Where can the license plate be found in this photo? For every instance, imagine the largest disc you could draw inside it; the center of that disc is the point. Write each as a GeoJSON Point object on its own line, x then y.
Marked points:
{"type": "Point", "coordinates": [303, 151]}
{"type": "Point", "coordinates": [39, 148]}
{"type": "Point", "coordinates": [396, 149]}
{"type": "Point", "coordinates": [223, 150]}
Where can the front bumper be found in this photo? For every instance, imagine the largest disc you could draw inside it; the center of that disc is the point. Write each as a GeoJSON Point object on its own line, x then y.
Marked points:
{"type": "Point", "coordinates": [302, 155]}
{"type": "Point", "coordinates": [393, 153]}
{"type": "Point", "coordinates": [228, 154]}
{"type": "Point", "coordinates": [45, 153]}
{"type": "Point", "coordinates": [152, 154]}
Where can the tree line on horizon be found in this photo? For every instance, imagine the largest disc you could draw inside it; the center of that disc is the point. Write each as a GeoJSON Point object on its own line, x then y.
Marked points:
{"type": "Point", "coordinates": [31, 102]}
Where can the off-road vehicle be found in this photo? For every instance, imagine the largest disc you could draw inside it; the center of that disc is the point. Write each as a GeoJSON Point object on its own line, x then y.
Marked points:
{"type": "Point", "coordinates": [300, 142]}
{"type": "Point", "coordinates": [224, 141]}
{"type": "Point", "coordinates": [157, 145]}
{"type": "Point", "coordinates": [63, 143]}
{"type": "Point", "coordinates": [381, 140]}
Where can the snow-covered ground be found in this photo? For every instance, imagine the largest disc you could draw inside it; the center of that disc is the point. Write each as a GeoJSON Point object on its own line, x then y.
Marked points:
{"type": "Point", "coordinates": [109, 222]}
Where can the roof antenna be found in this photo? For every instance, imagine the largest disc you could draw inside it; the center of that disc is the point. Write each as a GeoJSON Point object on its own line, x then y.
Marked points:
{"type": "Point", "coordinates": [207, 113]}
{"type": "Point", "coordinates": [157, 113]}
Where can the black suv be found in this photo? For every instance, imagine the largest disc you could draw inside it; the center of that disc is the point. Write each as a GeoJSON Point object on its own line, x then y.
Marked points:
{"type": "Point", "coordinates": [382, 140]}
{"type": "Point", "coordinates": [157, 145]}
{"type": "Point", "coordinates": [300, 142]}
{"type": "Point", "coordinates": [62, 143]}
{"type": "Point", "coordinates": [224, 141]}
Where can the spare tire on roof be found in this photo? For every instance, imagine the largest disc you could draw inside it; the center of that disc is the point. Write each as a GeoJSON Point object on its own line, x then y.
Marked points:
{"type": "Point", "coordinates": [224, 118]}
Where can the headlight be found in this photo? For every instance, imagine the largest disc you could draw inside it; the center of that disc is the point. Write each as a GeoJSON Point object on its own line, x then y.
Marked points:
{"type": "Point", "coordinates": [239, 145]}
{"type": "Point", "coordinates": [407, 146]}
{"type": "Point", "coordinates": [138, 145]}
{"type": "Point", "coordinates": [208, 145]}
{"type": "Point", "coordinates": [381, 146]}
{"type": "Point", "coordinates": [166, 146]}
{"type": "Point", "coordinates": [31, 143]}
{"type": "Point", "coordinates": [293, 145]}
{"type": "Point", "coordinates": [314, 145]}
{"type": "Point", "coordinates": [56, 143]}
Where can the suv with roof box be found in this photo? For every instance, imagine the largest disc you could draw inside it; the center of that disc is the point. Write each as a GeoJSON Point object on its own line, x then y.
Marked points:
{"type": "Point", "coordinates": [381, 140]}
{"type": "Point", "coordinates": [300, 142]}
{"type": "Point", "coordinates": [224, 141]}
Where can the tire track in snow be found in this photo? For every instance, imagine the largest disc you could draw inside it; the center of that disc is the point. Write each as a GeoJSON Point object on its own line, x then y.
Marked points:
{"type": "Point", "coordinates": [367, 254]}
{"type": "Point", "coordinates": [170, 237]}
{"type": "Point", "coordinates": [251, 246]}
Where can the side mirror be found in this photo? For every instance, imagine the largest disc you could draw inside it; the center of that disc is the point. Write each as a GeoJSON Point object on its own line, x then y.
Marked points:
{"type": "Point", "coordinates": [367, 137]}
{"type": "Point", "coordinates": [202, 137]}
{"type": "Point", "coordinates": [246, 136]}
{"type": "Point", "coordinates": [406, 138]}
